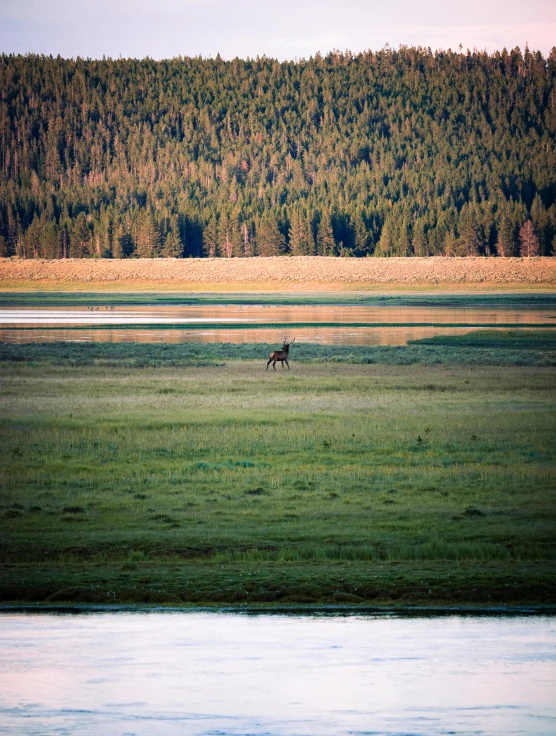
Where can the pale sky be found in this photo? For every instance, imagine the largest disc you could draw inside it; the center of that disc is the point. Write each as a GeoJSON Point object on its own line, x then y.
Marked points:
{"type": "Point", "coordinates": [285, 30]}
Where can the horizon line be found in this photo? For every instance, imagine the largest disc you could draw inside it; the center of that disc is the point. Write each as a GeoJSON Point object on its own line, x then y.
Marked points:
{"type": "Point", "coordinates": [296, 59]}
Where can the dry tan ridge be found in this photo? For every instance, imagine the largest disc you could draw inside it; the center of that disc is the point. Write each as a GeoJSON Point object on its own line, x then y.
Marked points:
{"type": "Point", "coordinates": [302, 273]}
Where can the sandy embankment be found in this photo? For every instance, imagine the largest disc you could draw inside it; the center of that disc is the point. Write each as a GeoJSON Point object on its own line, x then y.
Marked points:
{"type": "Point", "coordinates": [279, 274]}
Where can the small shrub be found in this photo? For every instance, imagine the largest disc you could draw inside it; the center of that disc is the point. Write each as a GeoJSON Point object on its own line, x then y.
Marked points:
{"type": "Point", "coordinates": [255, 492]}
{"type": "Point", "coordinates": [73, 510]}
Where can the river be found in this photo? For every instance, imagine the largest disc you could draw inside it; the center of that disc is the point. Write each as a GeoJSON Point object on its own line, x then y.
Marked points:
{"type": "Point", "coordinates": [169, 673]}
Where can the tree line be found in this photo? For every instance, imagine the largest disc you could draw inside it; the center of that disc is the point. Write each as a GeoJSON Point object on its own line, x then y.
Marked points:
{"type": "Point", "coordinates": [392, 153]}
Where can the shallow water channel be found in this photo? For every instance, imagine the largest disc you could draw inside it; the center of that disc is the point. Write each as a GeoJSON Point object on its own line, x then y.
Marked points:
{"type": "Point", "coordinates": [266, 323]}
{"type": "Point", "coordinates": [227, 673]}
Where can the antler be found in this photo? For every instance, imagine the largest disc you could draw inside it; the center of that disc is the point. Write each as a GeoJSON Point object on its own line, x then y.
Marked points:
{"type": "Point", "coordinates": [292, 342]}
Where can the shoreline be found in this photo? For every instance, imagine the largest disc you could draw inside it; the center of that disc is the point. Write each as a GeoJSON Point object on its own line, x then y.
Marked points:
{"type": "Point", "coordinates": [292, 610]}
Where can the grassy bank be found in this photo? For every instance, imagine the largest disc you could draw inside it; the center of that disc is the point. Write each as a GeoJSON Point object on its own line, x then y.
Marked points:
{"type": "Point", "coordinates": [358, 481]}
{"type": "Point", "coordinates": [450, 299]}
{"type": "Point", "coordinates": [484, 347]}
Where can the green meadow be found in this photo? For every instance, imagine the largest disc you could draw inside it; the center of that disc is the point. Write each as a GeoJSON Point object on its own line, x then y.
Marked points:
{"type": "Point", "coordinates": [200, 479]}
{"type": "Point", "coordinates": [188, 475]}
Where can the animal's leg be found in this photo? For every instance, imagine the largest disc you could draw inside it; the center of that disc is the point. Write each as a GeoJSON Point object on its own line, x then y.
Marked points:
{"type": "Point", "coordinates": [282, 364]}
{"type": "Point", "coordinates": [286, 362]}
{"type": "Point", "coordinates": [274, 365]}
{"type": "Point", "coordinates": [269, 362]}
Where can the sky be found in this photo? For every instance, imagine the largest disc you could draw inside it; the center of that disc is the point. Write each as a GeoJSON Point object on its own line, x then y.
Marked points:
{"type": "Point", "coordinates": [283, 29]}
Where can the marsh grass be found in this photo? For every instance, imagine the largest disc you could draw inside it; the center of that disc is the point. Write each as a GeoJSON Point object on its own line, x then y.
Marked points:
{"type": "Point", "coordinates": [511, 300]}
{"type": "Point", "coordinates": [173, 471]}
{"type": "Point", "coordinates": [482, 347]}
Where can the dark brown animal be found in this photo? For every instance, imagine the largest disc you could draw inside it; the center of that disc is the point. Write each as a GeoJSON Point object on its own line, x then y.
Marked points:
{"type": "Point", "coordinates": [280, 355]}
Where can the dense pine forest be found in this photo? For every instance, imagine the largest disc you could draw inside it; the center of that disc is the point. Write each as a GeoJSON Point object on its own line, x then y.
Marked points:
{"type": "Point", "coordinates": [393, 153]}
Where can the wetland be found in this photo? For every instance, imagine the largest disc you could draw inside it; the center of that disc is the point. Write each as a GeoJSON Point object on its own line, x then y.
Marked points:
{"type": "Point", "coordinates": [184, 474]}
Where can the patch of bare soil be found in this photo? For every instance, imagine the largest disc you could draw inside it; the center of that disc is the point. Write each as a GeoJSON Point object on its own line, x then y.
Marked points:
{"type": "Point", "coordinates": [303, 273]}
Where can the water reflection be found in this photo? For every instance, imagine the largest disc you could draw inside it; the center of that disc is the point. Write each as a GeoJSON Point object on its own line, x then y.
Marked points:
{"type": "Point", "coordinates": [263, 313]}
{"type": "Point", "coordinates": [393, 325]}
{"type": "Point", "coordinates": [319, 335]}
{"type": "Point", "coordinates": [201, 673]}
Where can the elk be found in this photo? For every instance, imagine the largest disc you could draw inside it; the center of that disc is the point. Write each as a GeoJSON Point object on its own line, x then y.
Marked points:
{"type": "Point", "coordinates": [280, 355]}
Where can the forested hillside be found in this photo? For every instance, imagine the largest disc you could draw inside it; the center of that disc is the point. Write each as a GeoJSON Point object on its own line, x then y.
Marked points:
{"type": "Point", "coordinates": [391, 153]}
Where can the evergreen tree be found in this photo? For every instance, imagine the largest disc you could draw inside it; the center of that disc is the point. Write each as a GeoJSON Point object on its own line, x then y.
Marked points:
{"type": "Point", "coordinates": [80, 237]}
{"type": "Point", "coordinates": [124, 247]}
{"type": "Point", "coordinates": [147, 237]}
{"type": "Point", "coordinates": [248, 243]}
{"type": "Point", "coordinates": [386, 245]}
{"type": "Point", "coordinates": [451, 244]}
{"type": "Point", "coordinates": [172, 245]}
{"type": "Point", "coordinates": [506, 244]}
{"type": "Point", "coordinates": [49, 241]}
{"type": "Point", "coordinates": [541, 223]}
{"type": "Point", "coordinates": [419, 240]}
{"type": "Point", "coordinates": [301, 238]}
{"type": "Point", "coordinates": [326, 245]}
{"type": "Point", "coordinates": [471, 238]}
{"type": "Point", "coordinates": [404, 247]}
{"type": "Point", "coordinates": [238, 249]}
{"type": "Point", "coordinates": [362, 236]}
{"type": "Point", "coordinates": [270, 241]}
{"type": "Point", "coordinates": [211, 238]}
{"type": "Point", "coordinates": [225, 237]}
{"type": "Point", "coordinates": [33, 237]}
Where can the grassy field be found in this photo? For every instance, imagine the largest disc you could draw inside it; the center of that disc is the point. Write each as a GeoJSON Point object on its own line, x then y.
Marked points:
{"type": "Point", "coordinates": [372, 480]}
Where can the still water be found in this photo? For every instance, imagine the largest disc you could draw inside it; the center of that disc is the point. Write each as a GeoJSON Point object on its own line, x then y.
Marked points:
{"type": "Point", "coordinates": [169, 673]}
{"type": "Point", "coordinates": [235, 323]}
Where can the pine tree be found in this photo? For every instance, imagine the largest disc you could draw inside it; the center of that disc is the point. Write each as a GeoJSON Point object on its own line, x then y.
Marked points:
{"type": "Point", "coordinates": [506, 246]}
{"type": "Point", "coordinates": [248, 243]}
{"type": "Point", "coordinates": [471, 238]}
{"type": "Point", "coordinates": [124, 247]}
{"type": "Point", "coordinates": [236, 233]}
{"type": "Point", "coordinates": [50, 241]}
{"type": "Point", "coordinates": [362, 236]}
{"type": "Point", "coordinates": [385, 245]}
{"type": "Point", "coordinates": [326, 245]}
{"type": "Point", "coordinates": [225, 237]}
{"type": "Point", "coordinates": [147, 237]}
{"type": "Point", "coordinates": [211, 238]}
{"type": "Point", "coordinates": [451, 244]}
{"type": "Point", "coordinates": [80, 237]}
{"type": "Point", "coordinates": [539, 218]}
{"type": "Point", "coordinates": [64, 239]}
{"type": "Point", "coordinates": [33, 237]}
{"type": "Point", "coordinates": [301, 238]}
{"type": "Point", "coordinates": [270, 241]}
{"type": "Point", "coordinates": [172, 245]}
{"type": "Point", "coordinates": [419, 241]}
{"type": "Point", "coordinates": [404, 247]}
